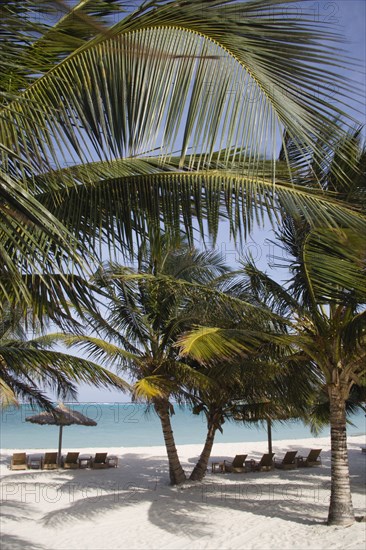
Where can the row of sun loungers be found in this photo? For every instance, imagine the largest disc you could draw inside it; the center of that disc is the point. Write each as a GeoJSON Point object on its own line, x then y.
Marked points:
{"type": "Point", "coordinates": [73, 460]}
{"type": "Point", "coordinates": [268, 462]}
{"type": "Point", "coordinates": [20, 461]}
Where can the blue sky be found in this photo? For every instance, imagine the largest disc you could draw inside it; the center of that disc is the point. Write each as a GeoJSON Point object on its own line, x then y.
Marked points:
{"type": "Point", "coordinates": [349, 17]}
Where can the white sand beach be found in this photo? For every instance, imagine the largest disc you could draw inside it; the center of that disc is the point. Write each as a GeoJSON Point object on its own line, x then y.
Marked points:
{"type": "Point", "coordinates": [133, 506]}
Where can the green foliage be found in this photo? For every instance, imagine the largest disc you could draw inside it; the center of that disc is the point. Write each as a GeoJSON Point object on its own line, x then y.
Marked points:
{"type": "Point", "coordinates": [28, 368]}
{"type": "Point", "coordinates": [112, 128]}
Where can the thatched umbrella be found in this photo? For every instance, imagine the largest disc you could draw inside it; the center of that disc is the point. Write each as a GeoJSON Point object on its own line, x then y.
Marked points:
{"type": "Point", "coordinates": [61, 416]}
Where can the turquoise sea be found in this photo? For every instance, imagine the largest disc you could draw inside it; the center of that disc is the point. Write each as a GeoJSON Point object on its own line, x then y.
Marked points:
{"type": "Point", "coordinates": [129, 425]}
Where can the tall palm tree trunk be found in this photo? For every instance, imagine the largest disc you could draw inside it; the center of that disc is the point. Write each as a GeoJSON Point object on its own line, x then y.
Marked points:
{"type": "Point", "coordinates": [340, 508]}
{"type": "Point", "coordinates": [176, 472]}
{"type": "Point", "coordinates": [200, 468]}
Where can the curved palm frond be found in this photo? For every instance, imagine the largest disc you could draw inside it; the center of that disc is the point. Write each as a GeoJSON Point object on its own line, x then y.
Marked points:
{"type": "Point", "coordinates": [33, 45]}
{"type": "Point", "coordinates": [147, 85]}
{"type": "Point", "coordinates": [161, 197]}
{"type": "Point", "coordinates": [205, 344]}
{"type": "Point", "coordinates": [32, 240]}
{"type": "Point", "coordinates": [101, 349]}
{"type": "Point", "coordinates": [249, 280]}
{"type": "Point", "coordinates": [43, 364]}
{"type": "Point", "coordinates": [152, 387]}
{"type": "Point", "coordinates": [28, 369]}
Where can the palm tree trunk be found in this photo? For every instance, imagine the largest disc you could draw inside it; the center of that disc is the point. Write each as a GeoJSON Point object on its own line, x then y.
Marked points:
{"type": "Point", "coordinates": [176, 472]}
{"type": "Point", "coordinates": [200, 468]}
{"type": "Point", "coordinates": [340, 508]}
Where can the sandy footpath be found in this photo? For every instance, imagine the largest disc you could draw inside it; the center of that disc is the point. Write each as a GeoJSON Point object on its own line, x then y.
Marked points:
{"type": "Point", "coordinates": [133, 506]}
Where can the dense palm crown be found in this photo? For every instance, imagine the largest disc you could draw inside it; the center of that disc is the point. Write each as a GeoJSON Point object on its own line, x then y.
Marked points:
{"type": "Point", "coordinates": [146, 309]}
{"type": "Point", "coordinates": [173, 111]}
{"type": "Point", "coordinates": [330, 328]}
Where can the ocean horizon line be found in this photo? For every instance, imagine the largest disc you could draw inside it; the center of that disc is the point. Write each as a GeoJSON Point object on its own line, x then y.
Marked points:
{"type": "Point", "coordinates": [131, 424]}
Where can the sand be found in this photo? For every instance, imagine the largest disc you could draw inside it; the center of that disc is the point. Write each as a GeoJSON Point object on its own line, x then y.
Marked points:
{"type": "Point", "coordinates": [133, 506]}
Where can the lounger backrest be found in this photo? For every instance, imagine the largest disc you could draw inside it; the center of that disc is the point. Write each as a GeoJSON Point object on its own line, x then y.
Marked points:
{"type": "Point", "coordinates": [313, 455]}
{"type": "Point", "coordinates": [289, 457]}
{"type": "Point", "coordinates": [50, 458]}
{"type": "Point", "coordinates": [19, 458]}
{"type": "Point", "coordinates": [71, 457]}
{"type": "Point", "coordinates": [100, 458]}
{"type": "Point", "coordinates": [238, 461]}
{"type": "Point", "coordinates": [266, 459]}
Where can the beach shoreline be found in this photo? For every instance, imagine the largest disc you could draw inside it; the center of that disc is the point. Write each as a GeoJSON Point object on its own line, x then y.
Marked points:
{"type": "Point", "coordinates": [133, 506]}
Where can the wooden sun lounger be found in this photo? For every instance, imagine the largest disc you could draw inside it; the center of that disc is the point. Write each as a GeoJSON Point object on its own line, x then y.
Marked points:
{"type": "Point", "coordinates": [236, 465]}
{"type": "Point", "coordinates": [99, 461]}
{"type": "Point", "coordinates": [288, 462]}
{"type": "Point", "coordinates": [70, 461]}
{"type": "Point", "coordinates": [18, 462]}
{"type": "Point", "coordinates": [265, 463]}
{"type": "Point", "coordinates": [313, 459]}
{"type": "Point", "coordinates": [49, 461]}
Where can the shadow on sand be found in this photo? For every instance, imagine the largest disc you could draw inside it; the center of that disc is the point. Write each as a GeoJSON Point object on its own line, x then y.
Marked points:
{"type": "Point", "coordinates": [294, 495]}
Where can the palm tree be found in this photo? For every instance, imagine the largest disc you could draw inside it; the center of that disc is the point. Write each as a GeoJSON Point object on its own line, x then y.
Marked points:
{"type": "Point", "coordinates": [263, 383]}
{"type": "Point", "coordinates": [331, 332]}
{"type": "Point", "coordinates": [119, 130]}
{"type": "Point", "coordinates": [146, 310]}
{"type": "Point", "coordinates": [28, 368]}
{"type": "Point", "coordinates": [326, 328]}
{"type": "Point", "coordinates": [252, 390]}
{"type": "Point", "coordinates": [323, 301]}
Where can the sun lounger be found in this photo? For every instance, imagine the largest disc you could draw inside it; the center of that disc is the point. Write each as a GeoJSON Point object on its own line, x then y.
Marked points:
{"type": "Point", "coordinates": [49, 461]}
{"type": "Point", "coordinates": [99, 461]}
{"type": "Point", "coordinates": [70, 461]}
{"type": "Point", "coordinates": [235, 465]}
{"type": "Point", "coordinates": [288, 462]}
{"type": "Point", "coordinates": [19, 461]}
{"type": "Point", "coordinates": [265, 463]}
{"type": "Point", "coordinates": [313, 459]}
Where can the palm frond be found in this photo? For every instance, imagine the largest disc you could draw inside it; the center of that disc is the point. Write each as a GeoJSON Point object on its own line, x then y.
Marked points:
{"type": "Point", "coordinates": [161, 200]}
{"type": "Point", "coordinates": [53, 366]}
{"type": "Point", "coordinates": [149, 81]}
{"type": "Point", "coordinates": [336, 262]}
{"type": "Point", "coordinates": [7, 395]}
{"type": "Point", "coordinates": [39, 33]}
{"type": "Point", "coordinates": [152, 387]}
{"type": "Point", "coordinates": [102, 350]}
{"type": "Point", "coordinates": [205, 344]}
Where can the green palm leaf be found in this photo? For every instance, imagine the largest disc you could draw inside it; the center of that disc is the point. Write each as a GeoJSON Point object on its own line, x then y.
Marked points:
{"type": "Point", "coordinates": [159, 195]}
{"type": "Point", "coordinates": [336, 264]}
{"type": "Point", "coordinates": [148, 84]}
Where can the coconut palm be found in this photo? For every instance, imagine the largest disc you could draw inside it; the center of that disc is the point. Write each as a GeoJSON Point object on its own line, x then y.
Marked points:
{"type": "Point", "coordinates": [264, 384]}
{"type": "Point", "coordinates": [121, 130]}
{"type": "Point", "coordinates": [327, 328]}
{"type": "Point", "coordinates": [331, 331]}
{"type": "Point", "coordinates": [324, 300]}
{"type": "Point", "coordinates": [252, 390]}
{"type": "Point", "coordinates": [148, 309]}
{"type": "Point", "coordinates": [145, 312]}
